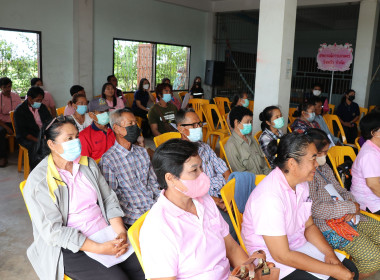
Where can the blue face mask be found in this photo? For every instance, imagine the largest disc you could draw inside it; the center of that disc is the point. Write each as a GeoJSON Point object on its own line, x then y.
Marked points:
{"type": "Point", "coordinates": [247, 129]}
{"type": "Point", "coordinates": [167, 97]}
{"type": "Point", "coordinates": [71, 149]}
{"type": "Point", "coordinates": [103, 118]}
{"type": "Point", "coordinates": [36, 105]}
{"type": "Point", "coordinates": [196, 134]}
{"type": "Point", "coordinates": [81, 109]}
{"type": "Point", "coordinates": [311, 117]}
{"type": "Point", "coordinates": [246, 103]}
{"type": "Point", "coordinates": [279, 123]}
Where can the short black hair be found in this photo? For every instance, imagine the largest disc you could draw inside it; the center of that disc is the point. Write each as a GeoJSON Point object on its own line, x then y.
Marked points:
{"type": "Point", "coordinates": [369, 123]}
{"type": "Point", "coordinates": [319, 138]}
{"type": "Point", "coordinates": [160, 88]}
{"type": "Point", "coordinates": [181, 115]}
{"type": "Point", "coordinates": [5, 81]}
{"type": "Point", "coordinates": [266, 115]}
{"type": "Point", "coordinates": [164, 80]}
{"type": "Point", "coordinates": [303, 107]}
{"type": "Point", "coordinates": [33, 92]}
{"type": "Point", "coordinates": [75, 88]}
{"type": "Point", "coordinates": [315, 99]}
{"type": "Point", "coordinates": [34, 81]}
{"type": "Point", "coordinates": [110, 77]}
{"type": "Point", "coordinates": [238, 113]}
{"type": "Point", "coordinates": [170, 157]}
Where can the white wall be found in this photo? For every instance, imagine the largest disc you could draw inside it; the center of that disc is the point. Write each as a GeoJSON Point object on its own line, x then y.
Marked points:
{"type": "Point", "coordinates": [55, 21]}
{"type": "Point", "coordinates": [146, 20]}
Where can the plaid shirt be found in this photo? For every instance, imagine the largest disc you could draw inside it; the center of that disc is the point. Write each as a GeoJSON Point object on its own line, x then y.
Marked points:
{"type": "Point", "coordinates": [214, 167]}
{"type": "Point", "coordinates": [265, 138]}
{"type": "Point", "coordinates": [324, 207]}
{"type": "Point", "coordinates": [130, 174]}
{"type": "Point", "coordinates": [300, 126]}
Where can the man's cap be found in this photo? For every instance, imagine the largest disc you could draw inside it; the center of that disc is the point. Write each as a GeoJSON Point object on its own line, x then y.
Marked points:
{"type": "Point", "coordinates": [98, 104]}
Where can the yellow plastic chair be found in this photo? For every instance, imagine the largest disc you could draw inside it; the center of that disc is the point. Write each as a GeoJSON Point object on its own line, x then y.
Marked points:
{"type": "Point", "coordinates": [289, 129]}
{"type": "Point", "coordinates": [60, 111]}
{"type": "Point", "coordinates": [221, 102]}
{"type": "Point", "coordinates": [373, 216]}
{"type": "Point", "coordinates": [332, 108]}
{"type": "Point", "coordinates": [11, 141]}
{"type": "Point", "coordinates": [158, 140]}
{"type": "Point", "coordinates": [222, 153]}
{"type": "Point", "coordinates": [251, 105]}
{"type": "Point", "coordinates": [362, 113]}
{"type": "Point", "coordinates": [226, 124]}
{"type": "Point", "coordinates": [97, 160]}
{"type": "Point", "coordinates": [22, 185]}
{"type": "Point", "coordinates": [129, 97]}
{"type": "Point", "coordinates": [336, 155]}
{"type": "Point", "coordinates": [22, 153]}
{"type": "Point", "coordinates": [357, 143]}
{"type": "Point", "coordinates": [197, 104]}
{"type": "Point", "coordinates": [257, 136]}
{"type": "Point", "coordinates": [134, 234]}
{"type": "Point", "coordinates": [330, 119]}
{"type": "Point", "coordinates": [370, 108]}
{"type": "Point", "coordinates": [290, 115]}
{"type": "Point", "coordinates": [182, 95]}
{"type": "Point", "coordinates": [213, 133]}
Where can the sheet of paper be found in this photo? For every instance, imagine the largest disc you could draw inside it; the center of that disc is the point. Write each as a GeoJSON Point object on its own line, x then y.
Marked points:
{"type": "Point", "coordinates": [105, 235]}
{"type": "Point", "coordinates": [185, 101]}
{"type": "Point", "coordinates": [173, 125]}
{"type": "Point", "coordinates": [312, 251]}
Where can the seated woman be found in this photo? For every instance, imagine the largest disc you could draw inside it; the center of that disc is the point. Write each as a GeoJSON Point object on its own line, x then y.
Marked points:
{"type": "Point", "coordinates": [277, 217]}
{"type": "Point", "coordinates": [184, 236]}
{"type": "Point", "coordinates": [196, 90]}
{"type": "Point", "coordinates": [29, 117]}
{"type": "Point", "coordinates": [305, 118]}
{"type": "Point", "coordinates": [331, 201]}
{"type": "Point", "coordinates": [108, 93]}
{"type": "Point", "coordinates": [243, 152]}
{"type": "Point", "coordinates": [271, 124]}
{"type": "Point", "coordinates": [162, 114]}
{"type": "Point", "coordinates": [348, 112]}
{"type": "Point", "coordinates": [69, 200]}
{"type": "Point", "coordinates": [366, 168]}
{"type": "Point", "coordinates": [81, 117]}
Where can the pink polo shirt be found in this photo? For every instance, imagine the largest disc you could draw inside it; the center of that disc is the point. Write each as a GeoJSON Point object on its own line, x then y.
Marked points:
{"type": "Point", "coordinates": [366, 165]}
{"type": "Point", "coordinates": [119, 104]}
{"type": "Point", "coordinates": [84, 212]}
{"type": "Point", "coordinates": [177, 243]}
{"type": "Point", "coordinates": [7, 104]}
{"type": "Point", "coordinates": [48, 100]}
{"type": "Point", "coordinates": [69, 110]}
{"type": "Point", "coordinates": [275, 209]}
{"type": "Point", "coordinates": [36, 116]}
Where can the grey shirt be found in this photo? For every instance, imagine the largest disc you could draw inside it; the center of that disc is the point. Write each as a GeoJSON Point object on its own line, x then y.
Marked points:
{"type": "Point", "coordinates": [321, 121]}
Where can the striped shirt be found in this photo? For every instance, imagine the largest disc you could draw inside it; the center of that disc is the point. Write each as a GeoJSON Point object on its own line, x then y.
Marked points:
{"type": "Point", "coordinates": [130, 174]}
{"type": "Point", "coordinates": [265, 138]}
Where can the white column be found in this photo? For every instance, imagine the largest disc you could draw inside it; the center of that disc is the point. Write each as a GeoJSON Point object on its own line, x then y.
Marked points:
{"type": "Point", "coordinates": [83, 45]}
{"type": "Point", "coordinates": [277, 23]}
{"type": "Point", "coordinates": [364, 50]}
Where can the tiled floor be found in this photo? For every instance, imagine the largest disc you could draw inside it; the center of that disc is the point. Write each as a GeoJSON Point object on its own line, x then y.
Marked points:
{"type": "Point", "coordinates": [16, 229]}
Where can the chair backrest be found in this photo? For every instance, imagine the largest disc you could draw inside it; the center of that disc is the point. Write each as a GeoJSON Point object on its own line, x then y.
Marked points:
{"type": "Point", "coordinates": [208, 110]}
{"type": "Point", "coordinates": [134, 234]}
{"type": "Point", "coordinates": [129, 97]}
{"type": "Point", "coordinates": [370, 108]}
{"type": "Point", "coordinates": [158, 140]}
{"type": "Point", "coordinates": [11, 115]}
{"type": "Point", "coordinates": [182, 95]}
{"type": "Point", "coordinates": [155, 96]}
{"type": "Point", "coordinates": [357, 143]}
{"type": "Point", "coordinates": [197, 106]}
{"type": "Point", "coordinates": [362, 113]}
{"type": "Point", "coordinates": [336, 155]}
{"type": "Point", "coordinates": [226, 124]}
{"type": "Point", "coordinates": [332, 108]}
{"type": "Point", "coordinates": [222, 153]}
{"type": "Point", "coordinates": [221, 102]}
{"type": "Point", "coordinates": [290, 115]}
{"type": "Point", "coordinates": [139, 121]}
{"type": "Point", "coordinates": [257, 136]}
{"type": "Point", "coordinates": [251, 105]}
{"type": "Point", "coordinates": [330, 119]}
{"type": "Point", "coordinates": [289, 129]}
{"type": "Point", "coordinates": [60, 111]}
{"type": "Point", "coordinates": [97, 160]}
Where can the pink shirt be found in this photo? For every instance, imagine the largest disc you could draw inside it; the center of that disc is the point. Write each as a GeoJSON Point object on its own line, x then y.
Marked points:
{"type": "Point", "coordinates": [69, 110]}
{"type": "Point", "coordinates": [7, 104]}
{"type": "Point", "coordinates": [119, 104]}
{"type": "Point", "coordinates": [84, 212]}
{"type": "Point", "coordinates": [36, 116]}
{"type": "Point", "coordinates": [177, 243]}
{"type": "Point", "coordinates": [48, 100]}
{"type": "Point", "coordinates": [366, 165]}
{"type": "Point", "coordinates": [275, 209]}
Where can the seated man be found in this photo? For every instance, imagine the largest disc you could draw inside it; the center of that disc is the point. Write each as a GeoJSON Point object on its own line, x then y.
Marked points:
{"type": "Point", "coordinates": [48, 98]}
{"type": "Point", "coordinates": [69, 109]}
{"type": "Point", "coordinates": [9, 101]}
{"type": "Point", "coordinates": [127, 168]}
{"type": "Point", "coordinates": [97, 138]}
{"type": "Point", "coordinates": [190, 127]}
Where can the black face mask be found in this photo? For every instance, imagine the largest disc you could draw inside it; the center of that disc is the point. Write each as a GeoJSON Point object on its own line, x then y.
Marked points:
{"type": "Point", "coordinates": [133, 132]}
{"type": "Point", "coordinates": [198, 84]}
{"type": "Point", "coordinates": [351, 98]}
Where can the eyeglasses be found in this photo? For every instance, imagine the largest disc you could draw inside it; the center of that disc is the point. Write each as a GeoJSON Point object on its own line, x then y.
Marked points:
{"type": "Point", "coordinates": [59, 118]}
{"type": "Point", "coordinates": [193, 125]}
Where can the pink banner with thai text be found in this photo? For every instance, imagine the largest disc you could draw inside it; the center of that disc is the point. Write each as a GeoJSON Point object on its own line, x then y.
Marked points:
{"type": "Point", "coordinates": [334, 57]}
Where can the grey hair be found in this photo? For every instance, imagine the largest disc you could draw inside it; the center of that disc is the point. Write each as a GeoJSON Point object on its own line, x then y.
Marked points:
{"type": "Point", "coordinates": [181, 115]}
{"type": "Point", "coordinates": [115, 116]}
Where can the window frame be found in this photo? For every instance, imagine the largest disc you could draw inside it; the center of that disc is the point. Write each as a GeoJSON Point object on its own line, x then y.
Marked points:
{"type": "Point", "coordinates": [154, 55]}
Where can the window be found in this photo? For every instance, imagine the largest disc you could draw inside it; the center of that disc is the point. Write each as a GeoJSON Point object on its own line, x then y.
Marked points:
{"type": "Point", "coordinates": [20, 57]}
{"type": "Point", "coordinates": [135, 60]}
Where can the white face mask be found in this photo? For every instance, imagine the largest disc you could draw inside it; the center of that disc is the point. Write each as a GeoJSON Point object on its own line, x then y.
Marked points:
{"type": "Point", "coordinates": [321, 160]}
{"type": "Point", "coordinates": [316, 92]}
{"type": "Point", "coordinates": [146, 86]}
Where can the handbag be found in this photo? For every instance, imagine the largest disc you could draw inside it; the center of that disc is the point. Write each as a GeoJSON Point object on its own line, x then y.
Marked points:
{"type": "Point", "coordinates": [262, 270]}
{"type": "Point", "coordinates": [344, 171]}
{"type": "Point", "coordinates": [168, 126]}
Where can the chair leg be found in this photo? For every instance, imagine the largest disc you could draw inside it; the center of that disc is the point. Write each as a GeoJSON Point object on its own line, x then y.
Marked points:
{"type": "Point", "coordinates": [20, 156]}
{"type": "Point", "coordinates": [26, 165]}
{"type": "Point", "coordinates": [11, 140]}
